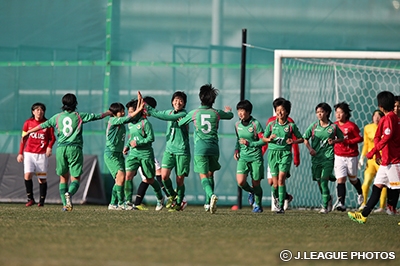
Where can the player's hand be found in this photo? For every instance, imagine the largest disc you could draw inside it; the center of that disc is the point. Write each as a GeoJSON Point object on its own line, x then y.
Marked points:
{"type": "Point", "coordinates": [125, 150]}
{"type": "Point", "coordinates": [370, 154]}
{"type": "Point", "coordinates": [330, 141]}
{"type": "Point", "coordinates": [289, 141]}
{"type": "Point", "coordinates": [236, 155]}
{"type": "Point", "coordinates": [313, 152]}
{"type": "Point", "coordinates": [361, 162]}
{"type": "Point", "coordinates": [48, 152]}
{"type": "Point", "coordinates": [20, 158]}
{"type": "Point", "coordinates": [133, 143]}
{"type": "Point", "coordinates": [378, 161]}
{"type": "Point", "coordinates": [244, 142]}
{"type": "Point", "coordinates": [228, 109]}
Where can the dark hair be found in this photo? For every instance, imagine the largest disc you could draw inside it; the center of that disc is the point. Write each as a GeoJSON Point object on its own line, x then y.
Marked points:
{"type": "Point", "coordinates": [69, 102]}
{"type": "Point", "coordinates": [38, 105]}
{"type": "Point", "coordinates": [381, 114]}
{"type": "Point", "coordinates": [150, 101]}
{"type": "Point", "coordinates": [345, 107]}
{"type": "Point", "coordinates": [245, 105]}
{"type": "Point", "coordinates": [132, 103]}
{"type": "Point", "coordinates": [116, 107]}
{"type": "Point", "coordinates": [397, 98]}
{"type": "Point", "coordinates": [179, 94]}
{"type": "Point", "coordinates": [326, 107]}
{"type": "Point", "coordinates": [386, 100]}
{"type": "Point", "coordinates": [207, 95]}
{"type": "Point", "coordinates": [282, 102]}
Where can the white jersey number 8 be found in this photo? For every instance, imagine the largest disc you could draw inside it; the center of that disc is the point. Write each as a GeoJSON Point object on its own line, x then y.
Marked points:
{"type": "Point", "coordinates": [67, 126]}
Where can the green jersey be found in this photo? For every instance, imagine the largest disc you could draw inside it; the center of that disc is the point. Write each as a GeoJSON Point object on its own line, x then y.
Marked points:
{"type": "Point", "coordinates": [250, 132]}
{"type": "Point", "coordinates": [283, 132]}
{"type": "Point", "coordinates": [142, 132]}
{"type": "Point", "coordinates": [115, 133]}
{"type": "Point", "coordinates": [177, 136]}
{"type": "Point", "coordinates": [69, 126]}
{"type": "Point", "coordinates": [319, 140]}
{"type": "Point", "coordinates": [206, 122]}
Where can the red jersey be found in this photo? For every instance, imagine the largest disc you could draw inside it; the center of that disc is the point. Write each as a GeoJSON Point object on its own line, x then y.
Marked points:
{"type": "Point", "coordinates": [38, 141]}
{"type": "Point", "coordinates": [349, 146]}
{"type": "Point", "coordinates": [387, 140]}
{"type": "Point", "coordinates": [295, 147]}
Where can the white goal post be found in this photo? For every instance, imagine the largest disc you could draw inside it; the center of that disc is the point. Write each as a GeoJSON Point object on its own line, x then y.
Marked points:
{"type": "Point", "coordinates": [309, 77]}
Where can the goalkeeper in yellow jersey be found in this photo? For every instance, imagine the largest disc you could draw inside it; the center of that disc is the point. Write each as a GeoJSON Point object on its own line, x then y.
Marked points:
{"type": "Point", "coordinates": [372, 167]}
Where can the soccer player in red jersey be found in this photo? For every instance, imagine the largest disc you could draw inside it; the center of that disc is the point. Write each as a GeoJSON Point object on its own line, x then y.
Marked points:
{"type": "Point", "coordinates": [387, 140]}
{"type": "Point", "coordinates": [34, 152]}
{"type": "Point", "coordinates": [346, 153]}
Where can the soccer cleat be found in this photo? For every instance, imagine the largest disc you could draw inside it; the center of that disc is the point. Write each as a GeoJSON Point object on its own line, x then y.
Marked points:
{"type": "Point", "coordinates": [140, 207]}
{"type": "Point", "coordinates": [379, 210]}
{"type": "Point", "coordinates": [207, 207]}
{"type": "Point", "coordinates": [64, 209]}
{"type": "Point", "coordinates": [362, 207]}
{"type": "Point", "coordinates": [250, 198]}
{"type": "Point", "coordinates": [357, 217]}
{"type": "Point", "coordinates": [183, 204]}
{"type": "Point", "coordinates": [175, 208]}
{"type": "Point", "coordinates": [257, 209]}
{"type": "Point", "coordinates": [323, 211]}
{"type": "Point", "coordinates": [40, 204]}
{"type": "Point", "coordinates": [160, 204]}
{"type": "Point", "coordinates": [275, 202]}
{"type": "Point", "coordinates": [390, 210]}
{"type": "Point", "coordinates": [330, 207]}
{"type": "Point", "coordinates": [280, 211]}
{"type": "Point", "coordinates": [30, 202]}
{"type": "Point", "coordinates": [121, 207]}
{"type": "Point", "coordinates": [128, 205]}
{"type": "Point", "coordinates": [68, 199]}
{"type": "Point", "coordinates": [112, 207]}
{"type": "Point", "coordinates": [341, 207]}
{"type": "Point", "coordinates": [360, 199]}
{"type": "Point", "coordinates": [213, 204]}
{"type": "Point", "coordinates": [170, 202]}
{"type": "Point", "coordinates": [287, 202]}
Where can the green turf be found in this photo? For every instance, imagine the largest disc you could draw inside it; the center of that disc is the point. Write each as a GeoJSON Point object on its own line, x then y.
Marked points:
{"type": "Point", "coordinates": [92, 235]}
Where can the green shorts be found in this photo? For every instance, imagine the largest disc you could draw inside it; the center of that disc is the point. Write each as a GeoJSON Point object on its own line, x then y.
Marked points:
{"type": "Point", "coordinates": [181, 163]}
{"type": "Point", "coordinates": [255, 168]}
{"type": "Point", "coordinates": [322, 171]}
{"type": "Point", "coordinates": [279, 161]}
{"type": "Point", "coordinates": [205, 164]}
{"type": "Point", "coordinates": [115, 162]}
{"type": "Point", "coordinates": [69, 158]}
{"type": "Point", "coordinates": [132, 164]}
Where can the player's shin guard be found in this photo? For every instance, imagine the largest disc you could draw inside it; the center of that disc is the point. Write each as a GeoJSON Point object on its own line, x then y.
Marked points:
{"type": "Point", "coordinates": [43, 192]}
{"type": "Point", "coordinates": [141, 191]}
{"type": "Point", "coordinates": [205, 182]}
{"type": "Point", "coordinates": [341, 192]}
{"type": "Point", "coordinates": [128, 189]}
{"type": "Point", "coordinates": [157, 190]}
{"type": "Point", "coordinates": [73, 187]}
{"type": "Point", "coordinates": [325, 192]}
{"type": "Point", "coordinates": [63, 188]}
{"type": "Point", "coordinates": [373, 200]}
{"type": "Point", "coordinates": [168, 186]}
{"type": "Point", "coordinates": [247, 187]}
{"type": "Point", "coordinates": [282, 195]}
{"type": "Point", "coordinates": [29, 189]}
{"type": "Point", "coordinates": [163, 188]}
{"type": "Point", "coordinates": [258, 194]}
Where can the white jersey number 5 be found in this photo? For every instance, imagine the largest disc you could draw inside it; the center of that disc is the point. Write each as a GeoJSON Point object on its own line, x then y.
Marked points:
{"type": "Point", "coordinates": [204, 122]}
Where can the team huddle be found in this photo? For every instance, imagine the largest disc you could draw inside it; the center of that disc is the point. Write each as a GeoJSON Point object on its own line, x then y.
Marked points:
{"type": "Point", "coordinates": [333, 147]}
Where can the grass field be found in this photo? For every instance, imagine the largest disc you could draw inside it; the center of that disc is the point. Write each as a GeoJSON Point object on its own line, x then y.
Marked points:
{"type": "Point", "coordinates": [92, 235]}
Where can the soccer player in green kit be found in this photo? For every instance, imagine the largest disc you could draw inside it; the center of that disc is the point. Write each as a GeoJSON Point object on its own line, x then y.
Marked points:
{"type": "Point", "coordinates": [248, 153]}
{"type": "Point", "coordinates": [113, 153]}
{"type": "Point", "coordinates": [206, 148]}
{"type": "Point", "coordinates": [323, 134]}
{"type": "Point", "coordinates": [69, 157]}
{"type": "Point", "coordinates": [141, 154]}
{"type": "Point", "coordinates": [278, 135]}
{"type": "Point", "coordinates": [177, 150]}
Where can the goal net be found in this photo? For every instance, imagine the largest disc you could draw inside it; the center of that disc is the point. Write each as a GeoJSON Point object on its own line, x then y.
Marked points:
{"type": "Point", "coordinates": [307, 78]}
